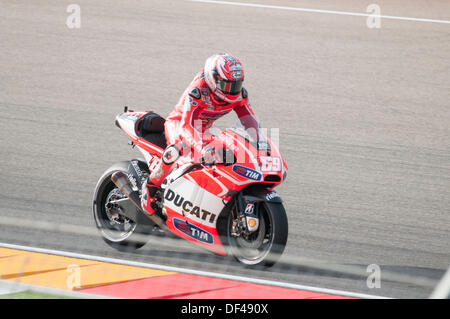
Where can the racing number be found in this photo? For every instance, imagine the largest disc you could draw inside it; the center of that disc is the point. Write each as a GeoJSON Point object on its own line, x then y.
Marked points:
{"type": "Point", "coordinates": [272, 164]}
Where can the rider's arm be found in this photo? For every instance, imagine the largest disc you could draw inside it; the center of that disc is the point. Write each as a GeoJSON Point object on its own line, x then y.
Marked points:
{"type": "Point", "coordinates": [188, 133]}
{"type": "Point", "coordinates": [247, 116]}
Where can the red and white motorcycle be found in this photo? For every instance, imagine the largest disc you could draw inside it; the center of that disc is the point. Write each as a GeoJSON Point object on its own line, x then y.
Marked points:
{"type": "Point", "coordinates": [229, 208]}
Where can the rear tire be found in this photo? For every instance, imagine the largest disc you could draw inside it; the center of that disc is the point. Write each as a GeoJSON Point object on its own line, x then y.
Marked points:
{"type": "Point", "coordinates": [120, 233]}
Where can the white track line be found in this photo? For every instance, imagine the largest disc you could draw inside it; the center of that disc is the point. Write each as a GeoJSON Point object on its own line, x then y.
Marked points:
{"type": "Point", "coordinates": [193, 272]}
{"type": "Point", "coordinates": [255, 5]}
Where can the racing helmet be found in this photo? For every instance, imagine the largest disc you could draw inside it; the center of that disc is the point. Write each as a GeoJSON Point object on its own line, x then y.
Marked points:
{"type": "Point", "coordinates": [224, 76]}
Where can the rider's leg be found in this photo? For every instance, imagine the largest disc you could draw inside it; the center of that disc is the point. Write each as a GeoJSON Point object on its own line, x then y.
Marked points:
{"type": "Point", "coordinates": [170, 156]}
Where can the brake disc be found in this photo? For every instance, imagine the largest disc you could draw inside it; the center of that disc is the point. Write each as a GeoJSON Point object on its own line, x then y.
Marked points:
{"type": "Point", "coordinates": [255, 239]}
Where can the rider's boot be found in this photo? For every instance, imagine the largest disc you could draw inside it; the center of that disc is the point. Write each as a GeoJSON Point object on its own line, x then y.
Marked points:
{"type": "Point", "coordinates": [148, 202]}
{"type": "Point", "coordinates": [156, 178]}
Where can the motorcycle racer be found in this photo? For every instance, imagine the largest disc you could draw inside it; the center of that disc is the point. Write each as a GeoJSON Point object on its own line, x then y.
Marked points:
{"type": "Point", "coordinates": [214, 92]}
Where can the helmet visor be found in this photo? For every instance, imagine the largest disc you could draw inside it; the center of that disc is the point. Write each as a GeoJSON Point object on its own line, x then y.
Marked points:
{"type": "Point", "coordinates": [230, 87]}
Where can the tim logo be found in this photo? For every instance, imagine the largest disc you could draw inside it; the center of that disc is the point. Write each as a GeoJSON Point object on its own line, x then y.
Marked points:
{"type": "Point", "coordinates": [247, 172]}
{"type": "Point", "coordinates": [193, 231]}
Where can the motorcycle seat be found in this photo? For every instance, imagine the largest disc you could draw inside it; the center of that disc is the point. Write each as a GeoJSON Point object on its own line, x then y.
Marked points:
{"type": "Point", "coordinates": [151, 128]}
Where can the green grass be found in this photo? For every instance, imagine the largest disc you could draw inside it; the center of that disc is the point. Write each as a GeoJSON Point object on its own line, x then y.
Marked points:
{"type": "Point", "coordinates": [31, 295]}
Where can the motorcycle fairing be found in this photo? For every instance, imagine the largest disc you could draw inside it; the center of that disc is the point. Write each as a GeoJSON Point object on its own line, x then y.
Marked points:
{"type": "Point", "coordinates": [187, 200]}
{"type": "Point", "coordinates": [194, 199]}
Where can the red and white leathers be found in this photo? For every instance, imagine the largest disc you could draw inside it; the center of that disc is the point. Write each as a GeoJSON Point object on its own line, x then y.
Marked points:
{"type": "Point", "coordinates": [187, 129]}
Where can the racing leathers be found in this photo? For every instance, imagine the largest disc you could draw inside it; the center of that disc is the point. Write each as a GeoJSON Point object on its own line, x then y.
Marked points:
{"type": "Point", "coordinates": [187, 130]}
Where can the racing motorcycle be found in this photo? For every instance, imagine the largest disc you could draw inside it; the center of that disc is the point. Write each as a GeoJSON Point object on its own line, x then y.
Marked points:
{"type": "Point", "coordinates": [228, 207]}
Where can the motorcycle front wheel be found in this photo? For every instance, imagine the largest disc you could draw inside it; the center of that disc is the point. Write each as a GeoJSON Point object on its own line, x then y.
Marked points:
{"type": "Point", "coordinates": [264, 246]}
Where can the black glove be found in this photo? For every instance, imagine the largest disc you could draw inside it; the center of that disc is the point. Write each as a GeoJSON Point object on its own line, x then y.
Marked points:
{"type": "Point", "coordinates": [209, 156]}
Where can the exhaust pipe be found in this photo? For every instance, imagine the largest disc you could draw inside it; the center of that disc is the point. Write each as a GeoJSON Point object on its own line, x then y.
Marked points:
{"type": "Point", "coordinates": [121, 181]}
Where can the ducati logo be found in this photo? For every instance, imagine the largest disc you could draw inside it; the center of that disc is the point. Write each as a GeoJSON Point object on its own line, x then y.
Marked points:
{"type": "Point", "coordinates": [189, 207]}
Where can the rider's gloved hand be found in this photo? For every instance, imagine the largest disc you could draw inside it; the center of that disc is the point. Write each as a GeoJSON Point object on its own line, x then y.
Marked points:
{"type": "Point", "coordinates": [209, 155]}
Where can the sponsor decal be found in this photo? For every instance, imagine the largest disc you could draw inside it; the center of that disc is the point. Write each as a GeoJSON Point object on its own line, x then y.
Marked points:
{"type": "Point", "coordinates": [189, 207]}
{"type": "Point", "coordinates": [207, 101]}
{"type": "Point", "coordinates": [272, 195]}
{"type": "Point", "coordinates": [193, 231]}
{"type": "Point", "coordinates": [236, 75]}
{"type": "Point", "coordinates": [195, 93]}
{"type": "Point", "coordinates": [133, 182]}
{"type": "Point", "coordinates": [136, 168]}
{"type": "Point", "coordinates": [252, 223]}
{"type": "Point", "coordinates": [249, 209]}
{"type": "Point", "coordinates": [247, 172]}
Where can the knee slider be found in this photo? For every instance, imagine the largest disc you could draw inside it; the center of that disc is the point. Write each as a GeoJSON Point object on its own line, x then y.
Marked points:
{"type": "Point", "coordinates": [171, 155]}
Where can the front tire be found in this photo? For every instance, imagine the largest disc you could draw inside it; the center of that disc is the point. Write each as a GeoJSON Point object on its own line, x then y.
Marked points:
{"type": "Point", "coordinates": [265, 246]}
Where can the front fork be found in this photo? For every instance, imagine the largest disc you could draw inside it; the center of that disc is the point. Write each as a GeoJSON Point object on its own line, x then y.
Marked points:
{"type": "Point", "coordinates": [245, 216]}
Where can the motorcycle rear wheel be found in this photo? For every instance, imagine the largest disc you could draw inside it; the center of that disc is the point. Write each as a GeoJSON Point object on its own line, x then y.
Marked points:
{"type": "Point", "coordinates": [120, 232]}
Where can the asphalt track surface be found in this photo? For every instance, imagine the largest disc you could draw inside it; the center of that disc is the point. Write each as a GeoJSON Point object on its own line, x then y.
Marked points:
{"type": "Point", "coordinates": [363, 116]}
